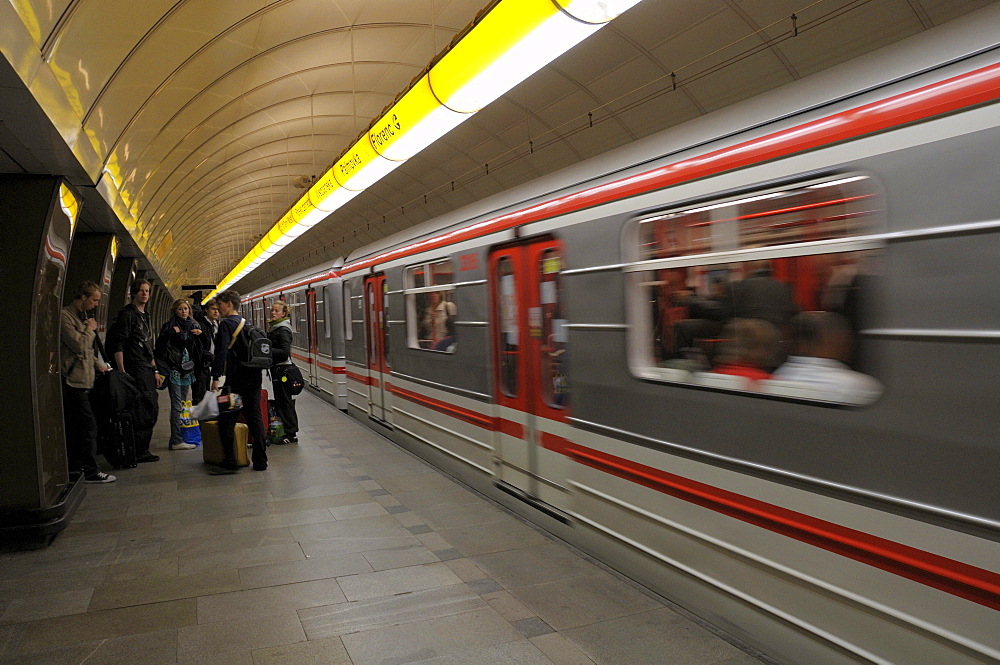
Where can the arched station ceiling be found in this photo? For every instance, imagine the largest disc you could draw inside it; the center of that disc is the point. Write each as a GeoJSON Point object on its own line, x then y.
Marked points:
{"type": "Point", "coordinates": [200, 120]}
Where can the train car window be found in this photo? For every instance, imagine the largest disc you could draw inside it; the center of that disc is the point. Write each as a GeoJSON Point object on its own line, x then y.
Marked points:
{"type": "Point", "coordinates": [430, 307]}
{"type": "Point", "coordinates": [555, 385]}
{"type": "Point", "coordinates": [323, 342]}
{"type": "Point", "coordinates": [348, 318]}
{"type": "Point", "coordinates": [372, 340]}
{"type": "Point", "coordinates": [508, 342]}
{"type": "Point", "coordinates": [768, 293]}
{"type": "Point", "coordinates": [385, 322]}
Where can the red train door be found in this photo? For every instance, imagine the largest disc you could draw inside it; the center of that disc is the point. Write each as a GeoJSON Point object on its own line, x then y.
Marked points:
{"type": "Point", "coordinates": [529, 357]}
{"type": "Point", "coordinates": [311, 328]}
{"type": "Point", "coordinates": [376, 341]}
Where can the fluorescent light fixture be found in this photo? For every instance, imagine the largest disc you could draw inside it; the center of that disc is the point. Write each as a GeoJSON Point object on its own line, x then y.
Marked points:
{"type": "Point", "coordinates": [509, 44]}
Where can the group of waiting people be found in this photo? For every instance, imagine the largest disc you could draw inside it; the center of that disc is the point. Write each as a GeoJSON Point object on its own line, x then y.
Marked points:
{"type": "Point", "coordinates": [751, 317]}
{"type": "Point", "coordinates": [194, 350]}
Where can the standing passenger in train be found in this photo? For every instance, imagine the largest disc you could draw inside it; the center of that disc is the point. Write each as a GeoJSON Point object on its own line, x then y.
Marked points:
{"type": "Point", "coordinates": [79, 364]}
{"type": "Point", "coordinates": [244, 381]}
{"type": "Point", "coordinates": [280, 334]}
{"type": "Point", "coordinates": [208, 318]}
{"type": "Point", "coordinates": [760, 296]}
{"type": "Point", "coordinates": [130, 342]}
{"type": "Point", "coordinates": [179, 348]}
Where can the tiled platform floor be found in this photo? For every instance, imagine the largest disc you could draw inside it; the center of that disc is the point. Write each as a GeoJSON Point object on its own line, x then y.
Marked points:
{"type": "Point", "coordinates": [347, 551]}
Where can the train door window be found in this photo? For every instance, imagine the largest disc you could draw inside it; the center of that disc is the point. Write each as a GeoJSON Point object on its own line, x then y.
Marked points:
{"type": "Point", "coordinates": [430, 307]}
{"type": "Point", "coordinates": [372, 323]}
{"type": "Point", "coordinates": [385, 322]}
{"type": "Point", "coordinates": [766, 293]}
{"type": "Point", "coordinates": [348, 315]}
{"type": "Point", "coordinates": [555, 385]}
{"type": "Point", "coordinates": [323, 342]}
{"type": "Point", "coordinates": [508, 342]}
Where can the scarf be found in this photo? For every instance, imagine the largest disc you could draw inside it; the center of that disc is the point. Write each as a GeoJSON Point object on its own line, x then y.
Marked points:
{"type": "Point", "coordinates": [184, 324]}
{"type": "Point", "coordinates": [275, 322]}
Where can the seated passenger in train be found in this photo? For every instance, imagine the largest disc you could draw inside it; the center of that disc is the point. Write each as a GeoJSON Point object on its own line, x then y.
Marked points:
{"type": "Point", "coordinates": [436, 316]}
{"type": "Point", "coordinates": [447, 343]}
{"type": "Point", "coordinates": [749, 348]}
{"type": "Point", "coordinates": [760, 296]}
{"type": "Point", "coordinates": [821, 343]}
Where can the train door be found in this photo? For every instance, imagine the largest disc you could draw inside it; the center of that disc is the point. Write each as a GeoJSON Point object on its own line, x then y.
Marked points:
{"type": "Point", "coordinates": [529, 356]}
{"type": "Point", "coordinates": [311, 337]}
{"type": "Point", "coordinates": [376, 340]}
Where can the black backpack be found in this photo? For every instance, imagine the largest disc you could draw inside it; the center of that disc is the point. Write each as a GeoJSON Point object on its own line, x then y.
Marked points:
{"type": "Point", "coordinates": [255, 351]}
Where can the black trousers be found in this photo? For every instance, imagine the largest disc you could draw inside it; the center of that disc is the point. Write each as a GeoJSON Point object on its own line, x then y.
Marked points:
{"type": "Point", "coordinates": [202, 381]}
{"type": "Point", "coordinates": [81, 430]}
{"type": "Point", "coordinates": [284, 403]}
{"type": "Point", "coordinates": [251, 413]}
{"type": "Point", "coordinates": [142, 427]}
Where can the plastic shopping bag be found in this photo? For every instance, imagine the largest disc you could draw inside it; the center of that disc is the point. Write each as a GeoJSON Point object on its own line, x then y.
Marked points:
{"type": "Point", "coordinates": [207, 408]}
{"type": "Point", "coordinates": [190, 431]}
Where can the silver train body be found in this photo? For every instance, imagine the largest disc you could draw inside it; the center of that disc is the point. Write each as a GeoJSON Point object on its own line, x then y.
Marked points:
{"type": "Point", "coordinates": [530, 347]}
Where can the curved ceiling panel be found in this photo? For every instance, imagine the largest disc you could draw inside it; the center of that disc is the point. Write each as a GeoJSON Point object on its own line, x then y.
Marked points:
{"type": "Point", "coordinates": [210, 115]}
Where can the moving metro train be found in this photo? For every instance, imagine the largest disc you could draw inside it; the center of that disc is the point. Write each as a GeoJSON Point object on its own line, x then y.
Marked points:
{"type": "Point", "coordinates": [567, 348]}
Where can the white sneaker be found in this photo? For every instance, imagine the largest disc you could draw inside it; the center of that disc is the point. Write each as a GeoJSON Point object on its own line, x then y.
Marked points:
{"type": "Point", "coordinates": [183, 446]}
{"type": "Point", "coordinates": [100, 477]}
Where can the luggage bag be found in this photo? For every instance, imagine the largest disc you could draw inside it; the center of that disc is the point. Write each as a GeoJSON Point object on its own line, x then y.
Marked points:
{"type": "Point", "coordinates": [117, 442]}
{"type": "Point", "coordinates": [211, 444]}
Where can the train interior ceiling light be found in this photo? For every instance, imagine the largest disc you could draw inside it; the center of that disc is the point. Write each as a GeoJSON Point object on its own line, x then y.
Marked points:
{"type": "Point", "coordinates": [509, 44]}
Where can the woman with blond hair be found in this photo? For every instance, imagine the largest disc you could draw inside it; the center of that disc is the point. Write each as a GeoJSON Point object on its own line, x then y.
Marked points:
{"type": "Point", "coordinates": [280, 334]}
{"type": "Point", "coordinates": [179, 348]}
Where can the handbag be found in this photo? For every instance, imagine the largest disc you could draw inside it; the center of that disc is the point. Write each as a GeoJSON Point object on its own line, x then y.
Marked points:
{"type": "Point", "coordinates": [207, 408]}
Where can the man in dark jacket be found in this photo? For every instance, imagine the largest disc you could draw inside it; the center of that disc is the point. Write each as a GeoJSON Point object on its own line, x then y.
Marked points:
{"type": "Point", "coordinates": [130, 343]}
{"type": "Point", "coordinates": [244, 381]}
{"type": "Point", "coordinates": [760, 296]}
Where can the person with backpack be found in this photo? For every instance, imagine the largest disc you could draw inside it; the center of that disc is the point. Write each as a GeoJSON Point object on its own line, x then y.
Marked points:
{"type": "Point", "coordinates": [179, 348]}
{"type": "Point", "coordinates": [239, 355]}
{"type": "Point", "coordinates": [280, 334]}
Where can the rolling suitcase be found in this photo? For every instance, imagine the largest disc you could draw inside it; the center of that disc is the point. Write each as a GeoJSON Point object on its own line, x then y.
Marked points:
{"type": "Point", "coordinates": [211, 444]}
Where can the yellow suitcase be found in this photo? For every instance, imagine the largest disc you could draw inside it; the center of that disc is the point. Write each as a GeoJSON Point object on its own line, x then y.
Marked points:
{"type": "Point", "coordinates": [211, 445]}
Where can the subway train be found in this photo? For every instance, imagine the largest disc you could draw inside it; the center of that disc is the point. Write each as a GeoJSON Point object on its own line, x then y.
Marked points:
{"type": "Point", "coordinates": [752, 362]}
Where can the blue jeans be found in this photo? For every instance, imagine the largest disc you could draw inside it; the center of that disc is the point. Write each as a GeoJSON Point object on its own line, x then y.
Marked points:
{"type": "Point", "coordinates": [177, 395]}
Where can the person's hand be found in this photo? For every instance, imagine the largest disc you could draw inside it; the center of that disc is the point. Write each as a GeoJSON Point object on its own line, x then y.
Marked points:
{"type": "Point", "coordinates": [91, 324]}
{"type": "Point", "coordinates": [103, 369]}
{"type": "Point", "coordinates": [196, 331]}
{"type": "Point", "coordinates": [159, 380]}
{"type": "Point", "coordinates": [176, 329]}
{"type": "Point", "coordinates": [215, 385]}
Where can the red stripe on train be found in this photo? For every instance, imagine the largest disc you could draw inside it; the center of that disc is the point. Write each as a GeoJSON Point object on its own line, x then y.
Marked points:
{"type": "Point", "coordinates": [478, 419]}
{"type": "Point", "coordinates": [305, 359]}
{"type": "Point", "coordinates": [367, 380]}
{"type": "Point", "coordinates": [960, 579]}
{"type": "Point", "coordinates": [966, 90]}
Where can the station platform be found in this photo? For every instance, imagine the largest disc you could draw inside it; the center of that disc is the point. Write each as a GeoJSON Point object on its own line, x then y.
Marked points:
{"type": "Point", "coordinates": [347, 551]}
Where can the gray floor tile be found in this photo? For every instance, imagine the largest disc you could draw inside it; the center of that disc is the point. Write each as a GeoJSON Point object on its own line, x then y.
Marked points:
{"type": "Point", "coordinates": [400, 557]}
{"type": "Point", "coordinates": [511, 653]}
{"type": "Point", "coordinates": [303, 571]}
{"type": "Point", "coordinates": [233, 641]}
{"type": "Point", "coordinates": [398, 580]}
{"type": "Point", "coordinates": [369, 614]}
{"type": "Point", "coordinates": [442, 636]}
{"type": "Point", "coordinates": [499, 536]}
{"type": "Point", "coordinates": [659, 637]}
{"type": "Point", "coordinates": [578, 601]}
{"type": "Point", "coordinates": [32, 608]}
{"type": "Point", "coordinates": [330, 501]}
{"type": "Point", "coordinates": [158, 589]}
{"type": "Point", "coordinates": [533, 565]}
{"type": "Point", "coordinates": [107, 624]}
{"type": "Point", "coordinates": [269, 600]}
{"type": "Point", "coordinates": [328, 651]}
{"type": "Point", "coordinates": [189, 564]}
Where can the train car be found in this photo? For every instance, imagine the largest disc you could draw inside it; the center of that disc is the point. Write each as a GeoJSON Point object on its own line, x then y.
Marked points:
{"type": "Point", "coordinates": [751, 362]}
{"type": "Point", "coordinates": [316, 314]}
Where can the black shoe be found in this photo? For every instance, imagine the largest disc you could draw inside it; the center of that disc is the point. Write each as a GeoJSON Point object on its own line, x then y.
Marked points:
{"type": "Point", "coordinates": [148, 457]}
{"type": "Point", "coordinates": [292, 439]}
{"type": "Point", "coordinates": [260, 467]}
{"type": "Point", "coordinates": [100, 477]}
{"type": "Point", "coordinates": [220, 471]}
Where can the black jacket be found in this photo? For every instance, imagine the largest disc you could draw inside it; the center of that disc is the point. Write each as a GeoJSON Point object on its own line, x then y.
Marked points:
{"type": "Point", "coordinates": [281, 344]}
{"type": "Point", "coordinates": [170, 348]}
{"type": "Point", "coordinates": [132, 335]}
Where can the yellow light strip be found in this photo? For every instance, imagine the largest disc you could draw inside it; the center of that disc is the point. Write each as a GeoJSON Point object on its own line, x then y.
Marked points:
{"type": "Point", "coordinates": [513, 41]}
{"type": "Point", "coordinates": [70, 206]}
